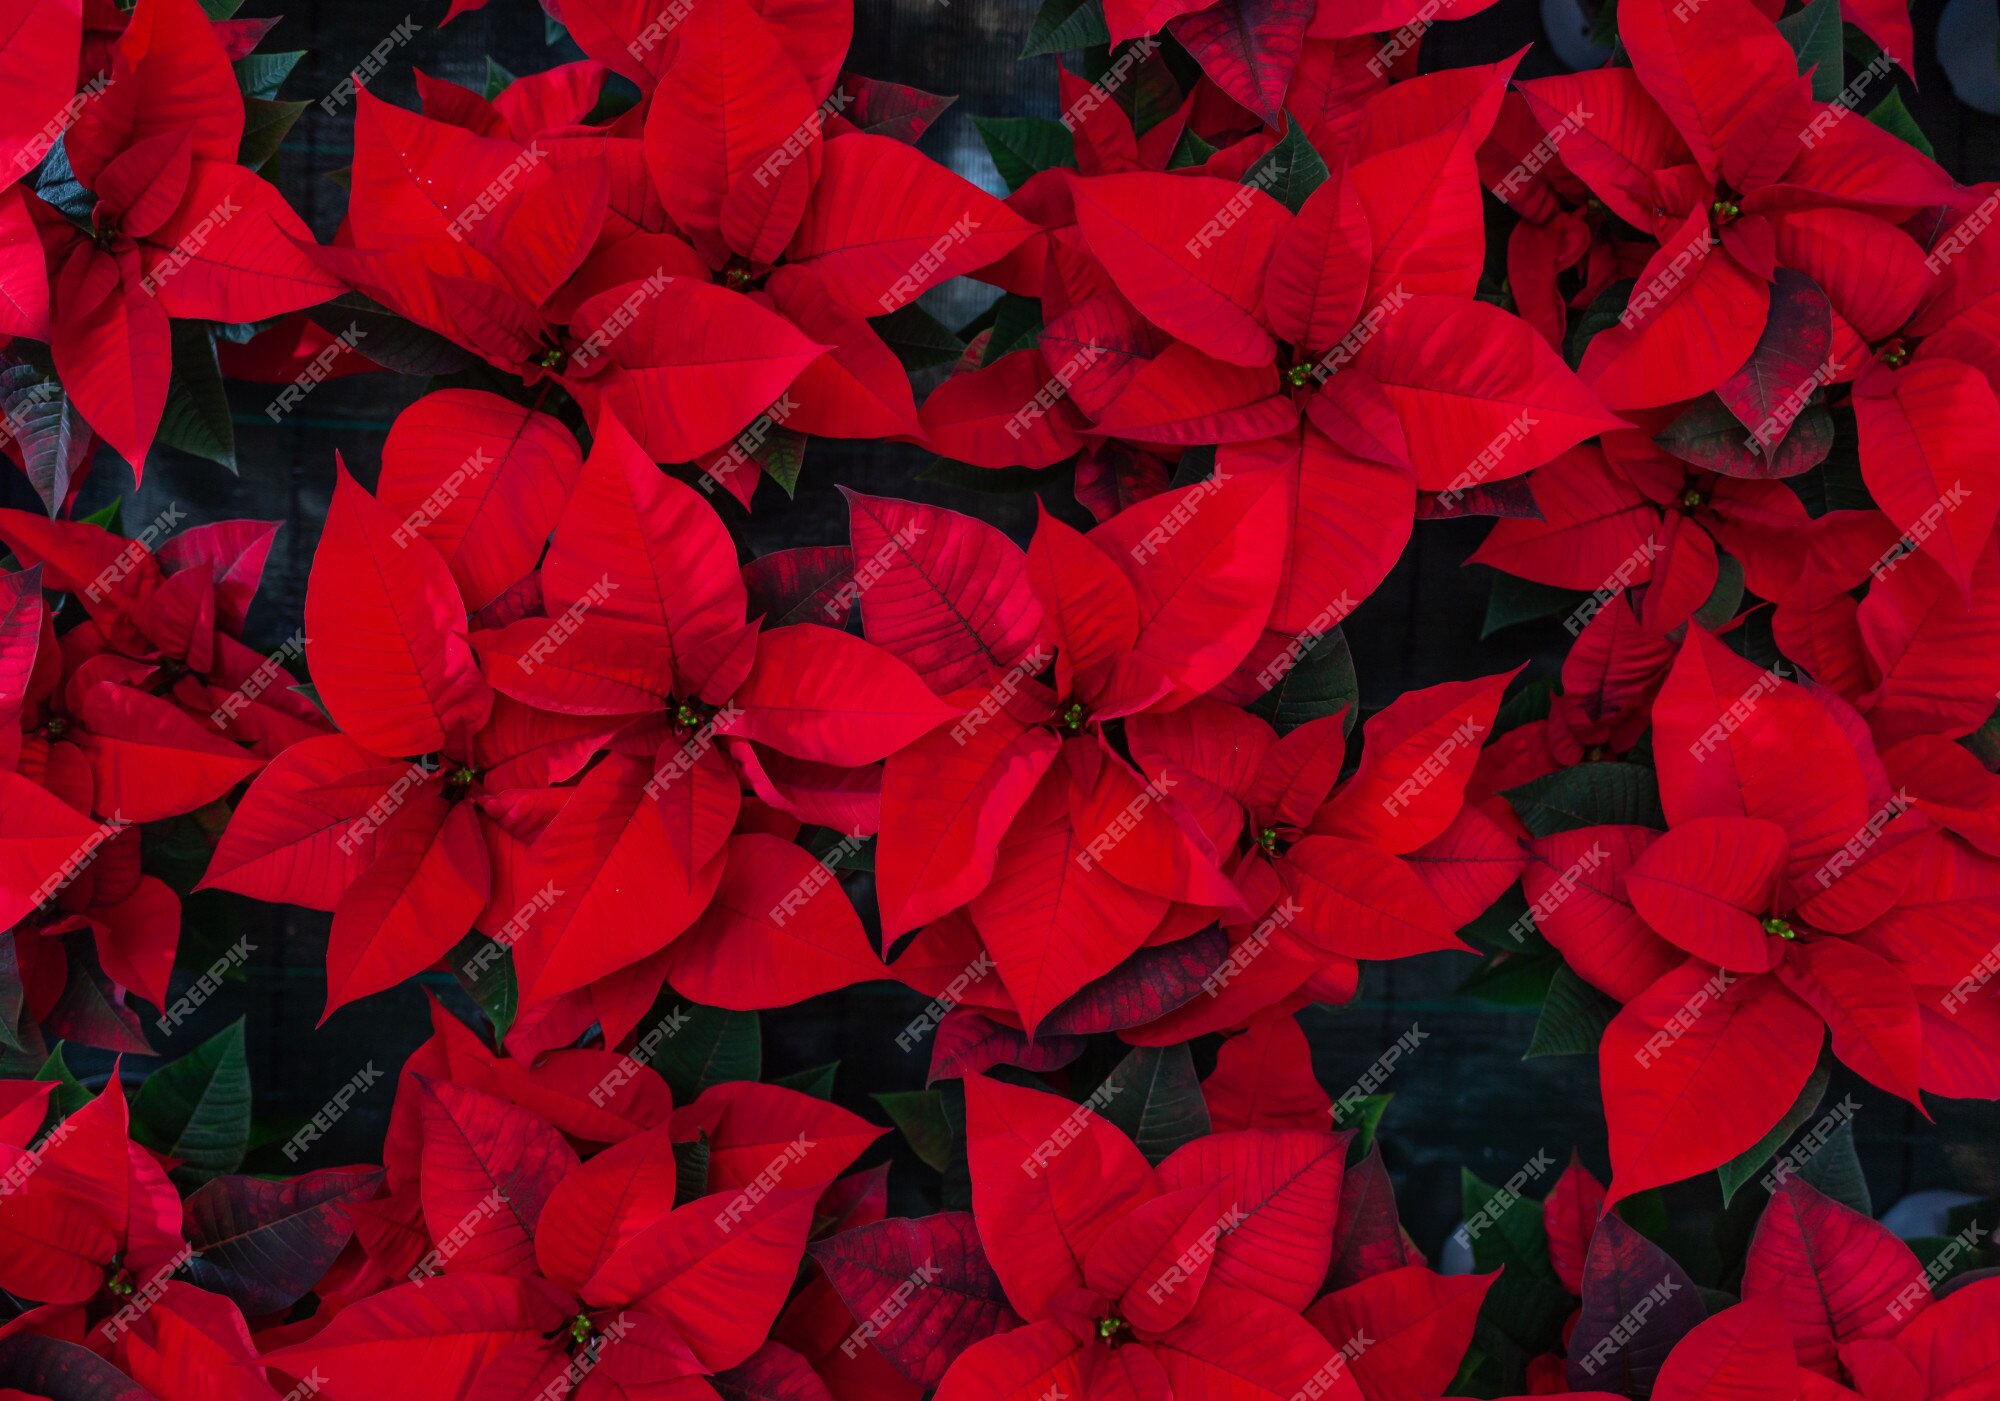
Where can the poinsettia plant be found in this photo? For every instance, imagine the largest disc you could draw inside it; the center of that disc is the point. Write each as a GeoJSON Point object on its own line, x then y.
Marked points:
{"type": "Point", "coordinates": [135, 224]}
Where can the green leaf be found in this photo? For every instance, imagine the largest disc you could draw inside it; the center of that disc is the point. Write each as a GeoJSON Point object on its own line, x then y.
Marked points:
{"type": "Point", "coordinates": [1515, 600]}
{"type": "Point", "coordinates": [1321, 682]}
{"type": "Point", "coordinates": [1363, 1114]}
{"type": "Point", "coordinates": [1289, 171]}
{"type": "Point", "coordinates": [1835, 1169]}
{"type": "Point", "coordinates": [1814, 34]}
{"type": "Point", "coordinates": [1603, 313]}
{"type": "Point", "coordinates": [1524, 1311]}
{"type": "Point", "coordinates": [197, 418]}
{"type": "Point", "coordinates": [197, 1108]}
{"type": "Point", "coordinates": [781, 455]}
{"type": "Point", "coordinates": [706, 1046]}
{"type": "Point", "coordinates": [919, 1116]}
{"type": "Point", "coordinates": [1574, 1015]}
{"type": "Point", "coordinates": [1893, 117]}
{"type": "Point", "coordinates": [1063, 25]}
{"type": "Point", "coordinates": [111, 516]}
{"type": "Point", "coordinates": [48, 432]}
{"type": "Point", "coordinates": [1526, 706]}
{"type": "Point", "coordinates": [220, 9]}
{"type": "Point", "coordinates": [70, 1094]}
{"type": "Point", "coordinates": [817, 1082]}
{"type": "Point", "coordinates": [1023, 147]}
{"type": "Point", "coordinates": [1017, 324]}
{"type": "Point", "coordinates": [1708, 435]}
{"type": "Point", "coordinates": [1588, 795]}
{"type": "Point", "coordinates": [1746, 1165]}
{"type": "Point", "coordinates": [917, 338]}
{"type": "Point", "coordinates": [691, 1168]}
{"type": "Point", "coordinates": [266, 124]}
{"type": "Point", "coordinates": [1727, 595]}
{"type": "Point", "coordinates": [485, 969]}
{"type": "Point", "coordinates": [1158, 1102]}
{"type": "Point", "coordinates": [387, 338]}
{"type": "Point", "coordinates": [1512, 979]}
{"type": "Point", "coordinates": [1189, 150]}
{"type": "Point", "coordinates": [497, 78]}
{"type": "Point", "coordinates": [261, 75]}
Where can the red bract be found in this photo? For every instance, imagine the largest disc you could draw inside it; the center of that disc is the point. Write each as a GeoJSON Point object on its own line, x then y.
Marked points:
{"type": "Point", "coordinates": [177, 228]}
{"type": "Point", "coordinates": [438, 810]}
{"type": "Point", "coordinates": [708, 260]}
{"type": "Point", "coordinates": [1807, 897]}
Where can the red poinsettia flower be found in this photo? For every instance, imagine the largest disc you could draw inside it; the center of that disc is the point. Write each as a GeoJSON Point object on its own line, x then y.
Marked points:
{"type": "Point", "coordinates": [1385, 865]}
{"type": "Point", "coordinates": [1714, 143]}
{"type": "Point", "coordinates": [639, 265]}
{"type": "Point", "coordinates": [177, 229]}
{"type": "Point", "coordinates": [1791, 893]}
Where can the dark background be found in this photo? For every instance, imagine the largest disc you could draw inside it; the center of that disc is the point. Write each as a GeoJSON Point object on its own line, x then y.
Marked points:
{"type": "Point", "coordinates": [1464, 1097]}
